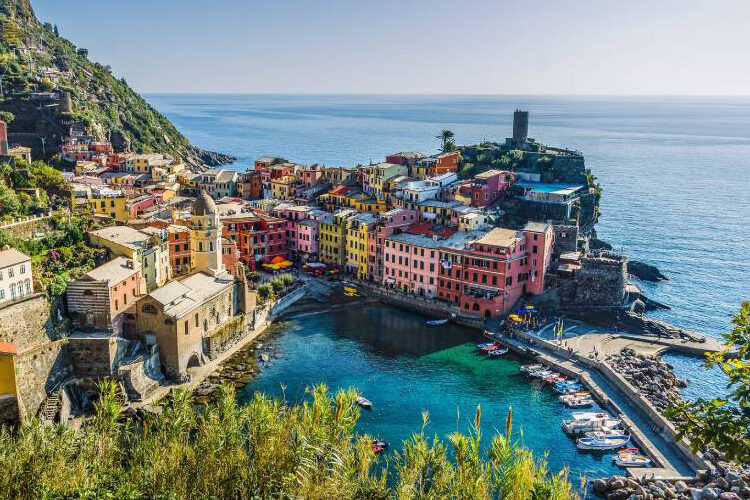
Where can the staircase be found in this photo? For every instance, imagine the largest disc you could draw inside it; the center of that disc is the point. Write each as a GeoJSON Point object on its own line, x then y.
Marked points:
{"type": "Point", "coordinates": [51, 407]}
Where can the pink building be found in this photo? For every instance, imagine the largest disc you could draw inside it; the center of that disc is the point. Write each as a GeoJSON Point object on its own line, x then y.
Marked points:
{"type": "Point", "coordinates": [99, 299]}
{"type": "Point", "coordinates": [137, 206]}
{"type": "Point", "coordinates": [412, 257]}
{"type": "Point", "coordinates": [230, 254]}
{"type": "Point", "coordinates": [391, 222]}
{"type": "Point", "coordinates": [488, 186]}
{"type": "Point", "coordinates": [489, 276]}
{"type": "Point", "coordinates": [311, 176]}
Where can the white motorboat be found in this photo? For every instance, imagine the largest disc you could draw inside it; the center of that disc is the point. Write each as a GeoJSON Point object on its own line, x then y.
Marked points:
{"type": "Point", "coordinates": [437, 322]}
{"type": "Point", "coordinates": [602, 442]}
{"type": "Point", "coordinates": [609, 432]}
{"type": "Point", "coordinates": [498, 352]}
{"type": "Point", "coordinates": [589, 422]}
{"type": "Point", "coordinates": [530, 368]}
{"type": "Point", "coordinates": [579, 403]}
{"type": "Point", "coordinates": [631, 458]}
{"type": "Point", "coordinates": [574, 395]}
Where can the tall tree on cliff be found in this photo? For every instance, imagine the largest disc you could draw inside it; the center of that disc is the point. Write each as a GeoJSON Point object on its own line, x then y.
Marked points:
{"type": "Point", "coordinates": [723, 423]}
{"type": "Point", "coordinates": [447, 141]}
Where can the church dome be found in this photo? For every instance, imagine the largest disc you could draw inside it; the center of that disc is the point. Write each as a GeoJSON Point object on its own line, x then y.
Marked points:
{"type": "Point", "coordinates": [204, 205]}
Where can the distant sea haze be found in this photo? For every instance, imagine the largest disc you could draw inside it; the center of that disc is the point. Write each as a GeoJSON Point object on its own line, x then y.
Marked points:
{"type": "Point", "coordinates": [675, 171]}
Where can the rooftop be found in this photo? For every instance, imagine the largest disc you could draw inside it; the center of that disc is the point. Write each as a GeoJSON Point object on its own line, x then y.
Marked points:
{"type": "Point", "coordinates": [180, 297]}
{"type": "Point", "coordinates": [499, 237]}
{"type": "Point", "coordinates": [114, 271]}
{"type": "Point", "coordinates": [542, 187]}
{"type": "Point", "coordinates": [536, 227]}
{"type": "Point", "coordinates": [12, 257]}
{"type": "Point", "coordinates": [123, 235]}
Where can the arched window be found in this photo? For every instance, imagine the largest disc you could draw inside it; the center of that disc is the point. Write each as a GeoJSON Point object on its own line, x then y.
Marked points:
{"type": "Point", "coordinates": [475, 307]}
{"type": "Point", "coordinates": [149, 308]}
{"type": "Point", "coordinates": [28, 286]}
{"type": "Point", "coordinates": [200, 246]}
{"type": "Point", "coordinates": [169, 321]}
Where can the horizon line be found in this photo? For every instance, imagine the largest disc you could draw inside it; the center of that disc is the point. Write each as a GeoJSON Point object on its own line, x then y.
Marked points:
{"type": "Point", "coordinates": [201, 92]}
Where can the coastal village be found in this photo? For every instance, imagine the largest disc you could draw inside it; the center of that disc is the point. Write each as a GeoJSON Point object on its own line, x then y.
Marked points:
{"type": "Point", "coordinates": [184, 255]}
{"type": "Point", "coordinates": [169, 264]}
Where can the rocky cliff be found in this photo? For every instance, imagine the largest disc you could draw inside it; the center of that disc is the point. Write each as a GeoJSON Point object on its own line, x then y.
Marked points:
{"type": "Point", "coordinates": [49, 86]}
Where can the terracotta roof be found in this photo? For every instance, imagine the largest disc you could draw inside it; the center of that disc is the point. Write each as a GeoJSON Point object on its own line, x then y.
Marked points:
{"type": "Point", "coordinates": [8, 348]}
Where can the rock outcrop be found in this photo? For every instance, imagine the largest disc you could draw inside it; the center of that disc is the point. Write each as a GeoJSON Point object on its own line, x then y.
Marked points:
{"type": "Point", "coordinates": [652, 376]}
{"type": "Point", "coordinates": [645, 272]}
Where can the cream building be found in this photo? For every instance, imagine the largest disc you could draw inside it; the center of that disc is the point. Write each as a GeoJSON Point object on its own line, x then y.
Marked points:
{"type": "Point", "coordinates": [15, 275]}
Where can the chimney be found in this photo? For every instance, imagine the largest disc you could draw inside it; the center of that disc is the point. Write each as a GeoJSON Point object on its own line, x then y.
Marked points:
{"type": "Point", "coordinates": [129, 264]}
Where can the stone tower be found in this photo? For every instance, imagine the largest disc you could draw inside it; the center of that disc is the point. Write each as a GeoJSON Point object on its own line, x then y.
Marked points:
{"type": "Point", "coordinates": [205, 237]}
{"type": "Point", "coordinates": [65, 104]}
{"type": "Point", "coordinates": [520, 126]}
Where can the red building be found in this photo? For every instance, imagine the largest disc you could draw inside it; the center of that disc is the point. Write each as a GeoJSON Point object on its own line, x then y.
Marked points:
{"type": "Point", "coordinates": [249, 186]}
{"type": "Point", "coordinates": [490, 276]}
{"type": "Point", "coordinates": [446, 162]}
{"type": "Point", "coordinates": [259, 237]}
{"type": "Point", "coordinates": [230, 254]}
{"type": "Point", "coordinates": [178, 237]}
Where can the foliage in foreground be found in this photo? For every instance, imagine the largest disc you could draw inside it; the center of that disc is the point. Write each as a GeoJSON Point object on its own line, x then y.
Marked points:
{"type": "Point", "coordinates": [265, 449]}
{"type": "Point", "coordinates": [723, 423]}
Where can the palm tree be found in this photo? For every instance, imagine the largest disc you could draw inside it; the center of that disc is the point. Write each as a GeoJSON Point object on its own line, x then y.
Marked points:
{"type": "Point", "coordinates": [446, 138]}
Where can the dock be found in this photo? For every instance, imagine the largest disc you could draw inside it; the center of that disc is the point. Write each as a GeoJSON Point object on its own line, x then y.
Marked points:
{"type": "Point", "coordinates": [671, 460]}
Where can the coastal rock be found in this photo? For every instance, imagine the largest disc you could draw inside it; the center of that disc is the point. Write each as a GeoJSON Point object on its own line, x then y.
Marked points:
{"type": "Point", "coordinates": [645, 272]}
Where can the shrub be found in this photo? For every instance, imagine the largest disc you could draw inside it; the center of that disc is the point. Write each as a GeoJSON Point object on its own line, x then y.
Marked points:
{"type": "Point", "coordinates": [265, 292]}
{"type": "Point", "coordinates": [266, 449]}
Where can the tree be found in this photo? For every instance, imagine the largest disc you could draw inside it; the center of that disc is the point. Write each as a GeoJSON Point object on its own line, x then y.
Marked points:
{"type": "Point", "coordinates": [265, 292]}
{"type": "Point", "coordinates": [447, 141]}
{"type": "Point", "coordinates": [723, 423]}
{"type": "Point", "coordinates": [57, 33]}
{"type": "Point", "coordinates": [83, 52]}
{"type": "Point", "coordinates": [7, 116]}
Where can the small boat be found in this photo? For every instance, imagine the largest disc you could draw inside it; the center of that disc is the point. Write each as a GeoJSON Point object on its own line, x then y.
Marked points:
{"type": "Point", "coordinates": [530, 368]}
{"type": "Point", "coordinates": [364, 402]}
{"type": "Point", "coordinates": [579, 403]}
{"type": "Point", "coordinates": [602, 442]}
{"type": "Point", "coordinates": [606, 431]}
{"type": "Point", "coordinates": [379, 446]}
{"type": "Point", "coordinates": [583, 422]}
{"type": "Point", "coordinates": [492, 347]}
{"type": "Point", "coordinates": [574, 395]}
{"type": "Point", "coordinates": [555, 378]}
{"type": "Point", "coordinates": [499, 351]}
{"type": "Point", "coordinates": [631, 460]}
{"type": "Point", "coordinates": [485, 345]}
{"type": "Point", "coordinates": [567, 389]}
{"type": "Point", "coordinates": [437, 322]}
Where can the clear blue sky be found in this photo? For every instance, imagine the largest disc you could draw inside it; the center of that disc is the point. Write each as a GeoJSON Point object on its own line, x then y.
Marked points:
{"type": "Point", "coordinates": [416, 46]}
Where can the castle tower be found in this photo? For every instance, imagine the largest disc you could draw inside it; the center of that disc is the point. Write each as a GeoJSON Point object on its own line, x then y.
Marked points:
{"type": "Point", "coordinates": [65, 104]}
{"type": "Point", "coordinates": [3, 138]}
{"type": "Point", "coordinates": [520, 126]}
{"type": "Point", "coordinates": [205, 237]}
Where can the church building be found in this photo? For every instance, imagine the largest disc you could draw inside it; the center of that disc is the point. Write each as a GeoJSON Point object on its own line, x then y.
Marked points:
{"type": "Point", "coordinates": [196, 317]}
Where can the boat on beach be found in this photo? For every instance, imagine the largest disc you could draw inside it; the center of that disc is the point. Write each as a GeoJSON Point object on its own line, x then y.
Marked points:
{"type": "Point", "coordinates": [364, 402]}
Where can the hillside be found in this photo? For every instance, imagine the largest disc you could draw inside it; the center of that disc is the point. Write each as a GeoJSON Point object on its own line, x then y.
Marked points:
{"type": "Point", "coordinates": [40, 69]}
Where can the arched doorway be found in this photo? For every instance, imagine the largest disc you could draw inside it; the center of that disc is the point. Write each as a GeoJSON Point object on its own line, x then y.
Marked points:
{"type": "Point", "coordinates": [487, 313]}
{"type": "Point", "coordinates": [194, 361]}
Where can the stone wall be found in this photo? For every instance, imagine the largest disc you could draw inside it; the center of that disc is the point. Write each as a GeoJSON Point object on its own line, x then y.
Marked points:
{"type": "Point", "coordinates": [26, 322]}
{"type": "Point", "coordinates": [142, 376]}
{"type": "Point", "coordinates": [30, 228]}
{"type": "Point", "coordinates": [92, 356]}
{"type": "Point", "coordinates": [225, 337]}
{"type": "Point", "coordinates": [601, 281]}
{"type": "Point", "coordinates": [40, 370]}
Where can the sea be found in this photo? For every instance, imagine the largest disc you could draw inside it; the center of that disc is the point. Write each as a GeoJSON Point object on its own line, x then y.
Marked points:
{"type": "Point", "coordinates": [675, 174]}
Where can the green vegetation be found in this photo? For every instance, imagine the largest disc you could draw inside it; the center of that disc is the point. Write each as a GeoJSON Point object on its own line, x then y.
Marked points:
{"type": "Point", "coordinates": [58, 257]}
{"type": "Point", "coordinates": [104, 103]}
{"type": "Point", "coordinates": [723, 423]}
{"type": "Point", "coordinates": [272, 288]}
{"type": "Point", "coordinates": [266, 449]}
{"type": "Point", "coordinates": [447, 141]}
{"type": "Point", "coordinates": [28, 188]}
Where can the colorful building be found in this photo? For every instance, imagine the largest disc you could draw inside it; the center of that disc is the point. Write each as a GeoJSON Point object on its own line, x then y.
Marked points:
{"type": "Point", "coordinates": [332, 235]}
{"type": "Point", "coordinates": [360, 230]}
{"type": "Point", "coordinates": [488, 186]}
{"type": "Point", "coordinates": [99, 298]}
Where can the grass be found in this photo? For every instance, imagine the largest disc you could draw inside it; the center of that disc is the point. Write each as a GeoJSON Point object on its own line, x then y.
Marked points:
{"type": "Point", "coordinates": [264, 449]}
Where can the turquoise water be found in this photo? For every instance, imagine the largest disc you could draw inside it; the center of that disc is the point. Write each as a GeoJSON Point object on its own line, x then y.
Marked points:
{"type": "Point", "coordinates": [405, 368]}
{"type": "Point", "coordinates": [675, 171]}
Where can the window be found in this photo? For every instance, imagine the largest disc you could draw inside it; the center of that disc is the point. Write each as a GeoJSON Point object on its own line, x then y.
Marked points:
{"type": "Point", "coordinates": [10, 272]}
{"type": "Point", "coordinates": [12, 291]}
{"type": "Point", "coordinates": [509, 281]}
{"type": "Point", "coordinates": [149, 308]}
{"type": "Point", "coordinates": [22, 269]}
{"type": "Point", "coordinates": [2, 294]}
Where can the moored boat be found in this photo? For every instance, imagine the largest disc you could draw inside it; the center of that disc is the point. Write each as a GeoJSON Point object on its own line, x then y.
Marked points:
{"type": "Point", "coordinates": [499, 351]}
{"type": "Point", "coordinates": [579, 403]}
{"type": "Point", "coordinates": [602, 442]}
{"type": "Point", "coordinates": [530, 368]}
{"type": "Point", "coordinates": [379, 446]}
{"type": "Point", "coordinates": [584, 422]}
{"type": "Point", "coordinates": [574, 395]}
{"type": "Point", "coordinates": [436, 322]}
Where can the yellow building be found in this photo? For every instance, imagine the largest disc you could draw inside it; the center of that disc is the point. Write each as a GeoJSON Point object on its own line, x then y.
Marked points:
{"type": "Point", "coordinates": [332, 238]}
{"type": "Point", "coordinates": [379, 174]}
{"type": "Point", "coordinates": [359, 229]}
{"type": "Point", "coordinates": [370, 205]}
{"type": "Point", "coordinates": [109, 203]}
{"type": "Point", "coordinates": [283, 187]}
{"type": "Point", "coordinates": [84, 166]}
{"type": "Point", "coordinates": [7, 369]}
